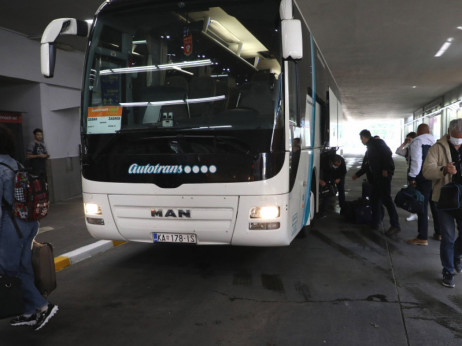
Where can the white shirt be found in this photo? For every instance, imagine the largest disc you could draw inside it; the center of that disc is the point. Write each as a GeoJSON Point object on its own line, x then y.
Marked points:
{"type": "Point", "coordinates": [415, 153]}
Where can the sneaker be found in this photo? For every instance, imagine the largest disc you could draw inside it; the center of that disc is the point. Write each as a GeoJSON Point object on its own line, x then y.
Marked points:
{"type": "Point", "coordinates": [392, 230]}
{"type": "Point", "coordinates": [411, 217]}
{"type": "Point", "coordinates": [44, 316]}
{"type": "Point", "coordinates": [458, 265]}
{"type": "Point", "coordinates": [448, 280]}
{"type": "Point", "coordinates": [417, 241]}
{"type": "Point", "coordinates": [24, 321]}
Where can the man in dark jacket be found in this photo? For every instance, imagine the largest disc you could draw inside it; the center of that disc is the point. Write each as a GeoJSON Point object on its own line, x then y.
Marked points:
{"type": "Point", "coordinates": [379, 168]}
{"type": "Point", "coordinates": [333, 171]}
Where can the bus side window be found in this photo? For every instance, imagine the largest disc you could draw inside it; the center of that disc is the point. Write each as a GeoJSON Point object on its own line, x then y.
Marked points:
{"type": "Point", "coordinates": [294, 107]}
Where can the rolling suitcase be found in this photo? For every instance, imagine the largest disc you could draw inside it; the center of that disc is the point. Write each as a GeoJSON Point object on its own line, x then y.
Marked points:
{"type": "Point", "coordinates": [363, 214]}
{"type": "Point", "coordinates": [366, 191]}
{"type": "Point", "coordinates": [44, 267]}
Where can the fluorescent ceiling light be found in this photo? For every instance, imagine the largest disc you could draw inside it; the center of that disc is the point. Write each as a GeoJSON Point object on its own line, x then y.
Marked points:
{"type": "Point", "coordinates": [459, 27]}
{"type": "Point", "coordinates": [134, 104]}
{"type": "Point", "coordinates": [174, 102]}
{"type": "Point", "coordinates": [179, 65]}
{"type": "Point", "coordinates": [444, 47]}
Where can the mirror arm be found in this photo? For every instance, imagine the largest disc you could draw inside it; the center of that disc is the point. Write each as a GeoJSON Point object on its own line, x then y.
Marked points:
{"type": "Point", "coordinates": [58, 27]}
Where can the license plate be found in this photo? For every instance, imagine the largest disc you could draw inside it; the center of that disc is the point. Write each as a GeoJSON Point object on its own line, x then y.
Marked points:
{"type": "Point", "coordinates": [174, 238]}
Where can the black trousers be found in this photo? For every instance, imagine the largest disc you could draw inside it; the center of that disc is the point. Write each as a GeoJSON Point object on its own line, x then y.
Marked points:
{"type": "Point", "coordinates": [381, 195]}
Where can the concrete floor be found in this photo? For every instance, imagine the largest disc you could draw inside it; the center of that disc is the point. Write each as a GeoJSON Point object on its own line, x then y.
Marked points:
{"type": "Point", "coordinates": [338, 284]}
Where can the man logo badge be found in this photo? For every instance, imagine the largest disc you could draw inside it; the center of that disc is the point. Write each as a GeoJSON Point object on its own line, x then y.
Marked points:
{"type": "Point", "coordinates": [180, 213]}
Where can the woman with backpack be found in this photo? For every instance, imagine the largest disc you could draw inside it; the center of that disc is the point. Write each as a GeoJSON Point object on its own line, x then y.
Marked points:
{"type": "Point", "coordinates": [15, 245]}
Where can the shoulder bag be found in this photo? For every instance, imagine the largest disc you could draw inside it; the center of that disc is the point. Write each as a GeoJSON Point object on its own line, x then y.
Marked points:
{"type": "Point", "coordinates": [451, 199]}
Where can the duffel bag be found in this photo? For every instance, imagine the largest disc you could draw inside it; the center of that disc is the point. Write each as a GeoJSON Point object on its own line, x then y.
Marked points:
{"type": "Point", "coordinates": [410, 199]}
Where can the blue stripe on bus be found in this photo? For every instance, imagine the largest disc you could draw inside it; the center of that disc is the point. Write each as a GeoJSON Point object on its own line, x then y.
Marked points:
{"type": "Point", "coordinates": [306, 213]}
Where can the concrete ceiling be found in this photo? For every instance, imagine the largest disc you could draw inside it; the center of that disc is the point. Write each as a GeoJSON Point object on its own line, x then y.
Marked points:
{"type": "Point", "coordinates": [380, 52]}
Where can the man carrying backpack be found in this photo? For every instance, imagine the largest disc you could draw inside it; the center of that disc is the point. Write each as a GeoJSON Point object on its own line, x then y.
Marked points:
{"type": "Point", "coordinates": [417, 153]}
{"type": "Point", "coordinates": [37, 154]}
{"type": "Point", "coordinates": [16, 236]}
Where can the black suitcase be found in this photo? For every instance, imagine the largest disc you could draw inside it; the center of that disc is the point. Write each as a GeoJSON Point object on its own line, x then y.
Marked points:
{"type": "Point", "coordinates": [363, 214]}
{"type": "Point", "coordinates": [366, 191]}
{"type": "Point", "coordinates": [348, 211]}
{"type": "Point", "coordinates": [43, 263]}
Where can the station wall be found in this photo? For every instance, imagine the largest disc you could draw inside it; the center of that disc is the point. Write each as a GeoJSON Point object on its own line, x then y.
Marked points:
{"type": "Point", "coordinates": [50, 104]}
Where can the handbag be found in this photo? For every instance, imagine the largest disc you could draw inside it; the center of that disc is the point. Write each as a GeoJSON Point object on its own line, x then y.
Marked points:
{"type": "Point", "coordinates": [410, 199]}
{"type": "Point", "coordinates": [329, 190]}
{"type": "Point", "coordinates": [11, 302]}
{"type": "Point", "coordinates": [451, 199]}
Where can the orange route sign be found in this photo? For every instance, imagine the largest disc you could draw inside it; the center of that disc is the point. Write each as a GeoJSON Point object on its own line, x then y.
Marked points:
{"type": "Point", "coordinates": [107, 111]}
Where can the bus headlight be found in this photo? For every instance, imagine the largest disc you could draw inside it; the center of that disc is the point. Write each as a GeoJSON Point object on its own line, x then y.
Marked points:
{"type": "Point", "coordinates": [92, 209]}
{"type": "Point", "coordinates": [267, 212]}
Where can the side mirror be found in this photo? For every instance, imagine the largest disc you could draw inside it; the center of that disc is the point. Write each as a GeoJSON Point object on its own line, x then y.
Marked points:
{"type": "Point", "coordinates": [292, 39]}
{"type": "Point", "coordinates": [62, 26]}
{"type": "Point", "coordinates": [47, 59]}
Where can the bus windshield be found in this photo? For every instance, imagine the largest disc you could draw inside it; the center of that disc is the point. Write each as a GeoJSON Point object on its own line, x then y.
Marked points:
{"type": "Point", "coordinates": [182, 67]}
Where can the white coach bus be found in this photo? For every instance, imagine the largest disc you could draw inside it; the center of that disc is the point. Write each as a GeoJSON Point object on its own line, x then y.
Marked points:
{"type": "Point", "coordinates": [198, 120]}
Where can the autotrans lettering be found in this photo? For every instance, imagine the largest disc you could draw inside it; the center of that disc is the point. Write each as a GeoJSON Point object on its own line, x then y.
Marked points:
{"type": "Point", "coordinates": [171, 213]}
{"type": "Point", "coordinates": [170, 169]}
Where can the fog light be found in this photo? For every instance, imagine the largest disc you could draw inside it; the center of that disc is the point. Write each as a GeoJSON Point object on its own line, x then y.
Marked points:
{"type": "Point", "coordinates": [263, 226]}
{"type": "Point", "coordinates": [92, 209]}
{"type": "Point", "coordinates": [95, 221]}
{"type": "Point", "coordinates": [267, 212]}
{"type": "Point", "coordinates": [273, 225]}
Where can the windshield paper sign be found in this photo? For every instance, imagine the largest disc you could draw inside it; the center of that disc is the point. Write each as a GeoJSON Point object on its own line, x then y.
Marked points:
{"type": "Point", "coordinates": [104, 119]}
{"type": "Point", "coordinates": [170, 169]}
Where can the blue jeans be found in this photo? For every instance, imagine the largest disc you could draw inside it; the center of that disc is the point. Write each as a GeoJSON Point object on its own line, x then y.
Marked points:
{"type": "Point", "coordinates": [425, 187]}
{"type": "Point", "coordinates": [450, 247]}
{"type": "Point", "coordinates": [15, 259]}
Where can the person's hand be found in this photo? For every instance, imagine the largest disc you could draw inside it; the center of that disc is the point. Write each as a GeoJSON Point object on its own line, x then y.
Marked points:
{"type": "Point", "coordinates": [412, 183]}
{"type": "Point", "coordinates": [337, 181]}
{"type": "Point", "coordinates": [354, 177]}
{"type": "Point", "coordinates": [322, 182]}
{"type": "Point", "coordinates": [450, 168]}
{"type": "Point", "coordinates": [384, 173]}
